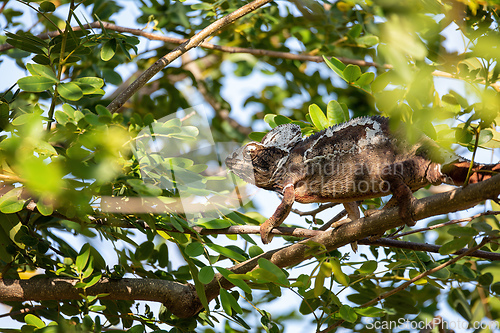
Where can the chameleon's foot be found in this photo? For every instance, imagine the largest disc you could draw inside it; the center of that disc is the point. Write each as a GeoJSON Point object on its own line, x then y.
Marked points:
{"type": "Point", "coordinates": [265, 232]}
{"type": "Point", "coordinates": [370, 212]}
{"type": "Point", "coordinates": [341, 222]}
{"type": "Point", "coordinates": [406, 211]}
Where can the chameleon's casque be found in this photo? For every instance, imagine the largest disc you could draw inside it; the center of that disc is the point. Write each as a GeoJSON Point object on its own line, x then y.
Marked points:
{"type": "Point", "coordinates": [360, 159]}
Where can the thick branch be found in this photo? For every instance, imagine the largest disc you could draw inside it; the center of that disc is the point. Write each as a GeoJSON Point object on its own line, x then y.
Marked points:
{"type": "Point", "coordinates": [177, 297]}
{"type": "Point", "coordinates": [195, 41]}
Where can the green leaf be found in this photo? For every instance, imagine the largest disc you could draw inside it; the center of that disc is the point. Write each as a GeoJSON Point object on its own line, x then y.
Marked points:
{"type": "Point", "coordinates": [225, 302]}
{"type": "Point", "coordinates": [108, 50]}
{"type": "Point", "coordinates": [335, 113]}
{"type": "Point", "coordinates": [45, 209]}
{"type": "Point", "coordinates": [325, 270]}
{"type": "Point", "coordinates": [367, 41]}
{"type": "Point", "coordinates": [355, 31]}
{"type": "Point", "coordinates": [202, 6]}
{"type": "Point", "coordinates": [368, 267]}
{"type": "Point", "coordinates": [93, 281]}
{"type": "Point", "coordinates": [337, 271]}
{"type": "Point", "coordinates": [365, 79]}
{"type": "Point", "coordinates": [254, 251]}
{"type": "Point", "coordinates": [33, 320]}
{"type": "Point", "coordinates": [70, 91]}
{"type": "Point", "coordinates": [226, 252]}
{"type": "Point", "coordinates": [318, 117]}
{"type": "Point", "coordinates": [102, 111]}
{"type": "Point", "coordinates": [10, 202]}
{"type": "Point", "coordinates": [144, 251]}
{"type": "Point", "coordinates": [23, 43]}
{"type": "Point", "coordinates": [47, 6]}
{"type": "Point", "coordinates": [262, 275]}
{"type": "Point", "coordinates": [206, 274]}
{"type": "Point", "coordinates": [214, 223]}
{"type": "Point", "coordinates": [336, 65]}
{"type": "Point", "coordinates": [454, 245]}
{"type": "Point", "coordinates": [35, 83]}
{"type": "Point", "coordinates": [97, 308]}
{"type": "Point", "coordinates": [462, 231]}
{"type": "Point", "coordinates": [82, 258]}
{"type": "Point", "coordinates": [352, 73]}
{"type": "Point", "coordinates": [256, 136]}
{"type": "Point", "coordinates": [194, 249]}
{"type": "Point", "coordinates": [347, 313]}
{"type": "Point", "coordinates": [370, 311]}
{"type": "Point", "coordinates": [381, 81]}
{"type": "Point", "coordinates": [41, 70]}
{"type": "Point", "coordinates": [272, 268]}
{"type": "Point", "coordinates": [200, 288]}
{"type": "Point", "coordinates": [95, 82]}
{"type": "Point", "coordinates": [237, 282]}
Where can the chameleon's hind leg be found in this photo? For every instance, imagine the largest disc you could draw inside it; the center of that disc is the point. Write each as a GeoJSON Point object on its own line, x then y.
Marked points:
{"type": "Point", "coordinates": [401, 193]}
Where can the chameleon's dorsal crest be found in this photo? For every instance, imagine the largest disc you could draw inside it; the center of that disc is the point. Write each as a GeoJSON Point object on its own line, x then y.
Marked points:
{"type": "Point", "coordinates": [284, 137]}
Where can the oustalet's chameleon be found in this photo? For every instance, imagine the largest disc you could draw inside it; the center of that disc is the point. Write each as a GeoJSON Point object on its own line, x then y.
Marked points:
{"type": "Point", "coordinates": [360, 159]}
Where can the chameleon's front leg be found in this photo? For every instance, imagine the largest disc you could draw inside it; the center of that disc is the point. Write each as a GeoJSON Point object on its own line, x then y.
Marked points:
{"type": "Point", "coordinates": [279, 215]}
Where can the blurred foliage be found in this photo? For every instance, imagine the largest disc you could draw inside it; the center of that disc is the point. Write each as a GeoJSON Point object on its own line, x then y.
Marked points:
{"type": "Point", "coordinates": [64, 156]}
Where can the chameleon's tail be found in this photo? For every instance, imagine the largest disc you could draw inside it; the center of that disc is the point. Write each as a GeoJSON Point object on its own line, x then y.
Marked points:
{"type": "Point", "coordinates": [459, 169]}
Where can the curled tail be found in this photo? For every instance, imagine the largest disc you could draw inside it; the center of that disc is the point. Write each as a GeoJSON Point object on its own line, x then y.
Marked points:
{"type": "Point", "coordinates": [457, 171]}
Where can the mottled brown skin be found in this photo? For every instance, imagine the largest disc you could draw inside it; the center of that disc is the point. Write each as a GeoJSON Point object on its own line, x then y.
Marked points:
{"type": "Point", "coordinates": [357, 160]}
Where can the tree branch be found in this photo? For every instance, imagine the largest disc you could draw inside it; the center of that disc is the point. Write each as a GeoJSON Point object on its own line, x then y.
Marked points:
{"type": "Point", "coordinates": [205, 45]}
{"type": "Point", "coordinates": [387, 242]}
{"type": "Point", "coordinates": [194, 41]}
{"type": "Point", "coordinates": [440, 225]}
{"type": "Point", "coordinates": [178, 298]}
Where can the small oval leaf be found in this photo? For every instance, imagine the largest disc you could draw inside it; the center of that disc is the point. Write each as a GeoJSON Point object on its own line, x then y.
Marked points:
{"type": "Point", "coordinates": [108, 50]}
{"type": "Point", "coordinates": [318, 117]}
{"type": "Point", "coordinates": [70, 91]}
{"type": "Point", "coordinates": [352, 73]}
{"type": "Point", "coordinates": [206, 274]}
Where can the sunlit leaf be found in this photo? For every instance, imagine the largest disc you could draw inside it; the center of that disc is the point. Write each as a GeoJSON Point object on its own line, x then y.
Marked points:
{"type": "Point", "coordinates": [108, 50]}
{"type": "Point", "coordinates": [70, 91]}
{"type": "Point", "coordinates": [35, 83]}
{"type": "Point", "coordinates": [318, 117]}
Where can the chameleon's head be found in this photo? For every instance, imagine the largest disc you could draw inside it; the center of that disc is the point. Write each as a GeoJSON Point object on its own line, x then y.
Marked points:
{"type": "Point", "coordinates": [259, 163]}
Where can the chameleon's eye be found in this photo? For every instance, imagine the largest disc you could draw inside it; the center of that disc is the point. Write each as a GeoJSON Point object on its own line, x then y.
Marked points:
{"type": "Point", "coordinates": [247, 153]}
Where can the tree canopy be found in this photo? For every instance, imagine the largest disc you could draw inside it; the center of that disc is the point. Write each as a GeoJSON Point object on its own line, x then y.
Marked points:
{"type": "Point", "coordinates": [116, 211]}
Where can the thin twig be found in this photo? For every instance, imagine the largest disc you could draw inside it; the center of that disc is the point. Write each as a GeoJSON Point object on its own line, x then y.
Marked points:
{"type": "Point", "coordinates": [193, 42]}
{"type": "Point", "coordinates": [386, 242]}
{"type": "Point", "coordinates": [206, 45]}
{"type": "Point", "coordinates": [333, 220]}
{"type": "Point", "coordinates": [440, 225]}
{"type": "Point", "coordinates": [314, 212]}
{"type": "Point", "coordinates": [22, 311]}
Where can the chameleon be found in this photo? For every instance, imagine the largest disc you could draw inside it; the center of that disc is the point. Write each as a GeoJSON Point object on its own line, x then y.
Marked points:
{"type": "Point", "coordinates": [360, 159]}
